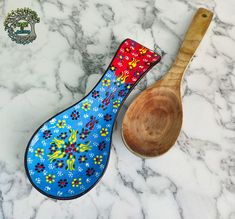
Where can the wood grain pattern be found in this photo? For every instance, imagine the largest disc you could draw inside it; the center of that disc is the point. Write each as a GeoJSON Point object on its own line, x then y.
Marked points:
{"type": "Point", "coordinates": [153, 121]}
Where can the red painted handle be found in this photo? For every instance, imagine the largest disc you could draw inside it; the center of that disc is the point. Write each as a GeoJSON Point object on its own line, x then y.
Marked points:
{"type": "Point", "coordinates": [132, 60]}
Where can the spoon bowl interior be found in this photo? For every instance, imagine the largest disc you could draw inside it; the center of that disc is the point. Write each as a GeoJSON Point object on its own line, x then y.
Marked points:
{"type": "Point", "coordinates": [152, 123]}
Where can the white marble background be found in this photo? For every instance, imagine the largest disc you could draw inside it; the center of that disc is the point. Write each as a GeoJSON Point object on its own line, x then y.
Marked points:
{"type": "Point", "coordinates": [76, 41]}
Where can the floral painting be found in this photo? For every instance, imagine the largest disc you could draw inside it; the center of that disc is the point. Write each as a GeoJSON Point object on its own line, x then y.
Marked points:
{"type": "Point", "coordinates": [69, 153]}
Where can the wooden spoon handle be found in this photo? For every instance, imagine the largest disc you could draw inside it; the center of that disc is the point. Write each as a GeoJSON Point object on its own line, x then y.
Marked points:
{"type": "Point", "coordinates": [192, 39]}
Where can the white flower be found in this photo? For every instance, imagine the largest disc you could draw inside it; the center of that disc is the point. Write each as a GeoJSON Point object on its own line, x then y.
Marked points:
{"type": "Point", "coordinates": [29, 160]}
{"type": "Point", "coordinates": [87, 164]}
{"type": "Point", "coordinates": [69, 127]}
{"type": "Point", "coordinates": [50, 166]}
{"type": "Point", "coordinates": [52, 121]}
{"type": "Point", "coordinates": [88, 180]}
{"type": "Point", "coordinates": [70, 191]}
{"type": "Point", "coordinates": [113, 89]}
{"type": "Point", "coordinates": [100, 115]}
{"type": "Point", "coordinates": [42, 159]}
{"type": "Point", "coordinates": [99, 99]}
{"type": "Point", "coordinates": [95, 136]}
{"type": "Point", "coordinates": [38, 180]}
{"type": "Point", "coordinates": [59, 173]}
{"type": "Point", "coordinates": [119, 64]}
{"type": "Point", "coordinates": [65, 116]}
{"type": "Point", "coordinates": [80, 123]}
{"type": "Point", "coordinates": [59, 193]}
{"type": "Point", "coordinates": [95, 109]}
{"type": "Point", "coordinates": [31, 172]}
{"type": "Point", "coordinates": [47, 188]}
{"type": "Point", "coordinates": [70, 174]}
{"type": "Point", "coordinates": [80, 169]}
{"type": "Point", "coordinates": [102, 89]}
{"type": "Point", "coordinates": [56, 130]}
{"type": "Point", "coordinates": [86, 116]}
{"type": "Point", "coordinates": [77, 106]}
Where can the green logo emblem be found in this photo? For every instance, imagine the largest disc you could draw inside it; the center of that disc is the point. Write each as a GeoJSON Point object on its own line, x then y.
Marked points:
{"type": "Point", "coordinates": [20, 25]}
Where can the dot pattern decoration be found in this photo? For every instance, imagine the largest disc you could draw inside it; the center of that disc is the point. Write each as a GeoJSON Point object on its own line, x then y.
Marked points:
{"type": "Point", "coordinates": [69, 153]}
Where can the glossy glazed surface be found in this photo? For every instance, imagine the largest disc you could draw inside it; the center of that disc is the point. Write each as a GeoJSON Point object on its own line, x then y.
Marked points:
{"type": "Point", "coordinates": [69, 153]}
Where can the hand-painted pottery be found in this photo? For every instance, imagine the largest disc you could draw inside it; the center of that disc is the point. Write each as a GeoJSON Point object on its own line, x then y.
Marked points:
{"type": "Point", "coordinates": [69, 153]}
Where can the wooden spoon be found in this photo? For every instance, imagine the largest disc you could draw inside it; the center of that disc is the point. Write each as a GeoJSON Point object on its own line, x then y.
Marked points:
{"type": "Point", "coordinates": [153, 121]}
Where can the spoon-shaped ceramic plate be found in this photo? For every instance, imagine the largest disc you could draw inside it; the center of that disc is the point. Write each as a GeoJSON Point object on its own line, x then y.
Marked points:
{"type": "Point", "coordinates": [69, 153]}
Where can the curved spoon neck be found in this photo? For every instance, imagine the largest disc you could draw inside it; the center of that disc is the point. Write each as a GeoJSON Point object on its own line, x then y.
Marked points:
{"type": "Point", "coordinates": [171, 80]}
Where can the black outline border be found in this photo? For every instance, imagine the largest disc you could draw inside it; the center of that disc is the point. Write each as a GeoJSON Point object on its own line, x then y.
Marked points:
{"type": "Point", "coordinates": [26, 150]}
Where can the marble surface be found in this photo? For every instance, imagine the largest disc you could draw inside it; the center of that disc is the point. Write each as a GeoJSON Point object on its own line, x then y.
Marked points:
{"type": "Point", "coordinates": [76, 41]}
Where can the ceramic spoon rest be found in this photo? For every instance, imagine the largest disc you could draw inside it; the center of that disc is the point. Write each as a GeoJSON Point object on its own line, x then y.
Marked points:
{"type": "Point", "coordinates": [69, 153]}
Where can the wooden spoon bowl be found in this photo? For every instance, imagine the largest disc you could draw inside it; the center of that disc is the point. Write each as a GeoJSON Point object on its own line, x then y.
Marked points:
{"type": "Point", "coordinates": [152, 124]}
{"type": "Point", "coordinates": [153, 121]}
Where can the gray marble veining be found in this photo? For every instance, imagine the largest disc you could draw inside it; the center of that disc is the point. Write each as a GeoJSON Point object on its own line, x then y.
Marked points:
{"type": "Point", "coordinates": [76, 41]}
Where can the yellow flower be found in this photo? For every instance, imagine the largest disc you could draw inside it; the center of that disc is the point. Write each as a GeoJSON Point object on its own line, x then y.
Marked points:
{"type": "Point", "coordinates": [39, 152]}
{"type": "Point", "coordinates": [76, 182]}
{"type": "Point", "coordinates": [116, 104]}
{"type": "Point", "coordinates": [128, 86]}
{"type": "Point", "coordinates": [104, 132]}
{"type": "Point", "coordinates": [121, 57]}
{"type": "Point", "coordinates": [50, 178]}
{"type": "Point", "coordinates": [86, 106]}
{"type": "Point", "coordinates": [106, 82]}
{"type": "Point", "coordinates": [112, 68]}
{"type": "Point", "coordinates": [61, 123]}
{"type": "Point", "coordinates": [98, 159]}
